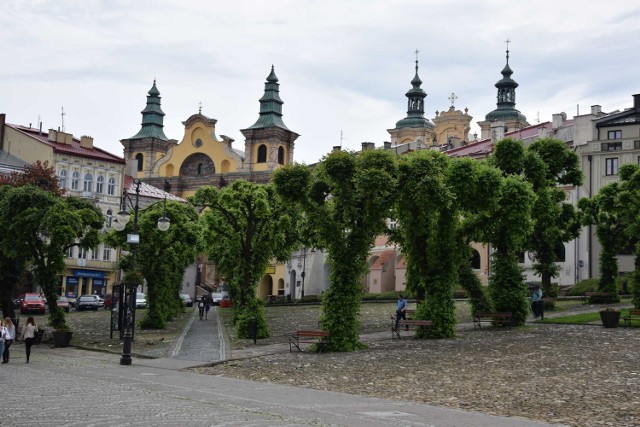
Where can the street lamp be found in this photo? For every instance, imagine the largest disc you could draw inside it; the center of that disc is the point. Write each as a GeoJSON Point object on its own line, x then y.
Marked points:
{"type": "Point", "coordinates": [133, 239]}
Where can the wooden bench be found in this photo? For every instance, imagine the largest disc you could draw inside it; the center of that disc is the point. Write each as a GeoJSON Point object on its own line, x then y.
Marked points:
{"type": "Point", "coordinates": [276, 299]}
{"type": "Point", "coordinates": [633, 315]}
{"type": "Point", "coordinates": [603, 296]}
{"type": "Point", "coordinates": [408, 325]}
{"type": "Point", "coordinates": [310, 336]}
{"type": "Point", "coordinates": [495, 318]}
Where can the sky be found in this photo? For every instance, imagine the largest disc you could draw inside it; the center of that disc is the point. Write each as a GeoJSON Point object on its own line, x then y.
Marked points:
{"type": "Point", "coordinates": [344, 66]}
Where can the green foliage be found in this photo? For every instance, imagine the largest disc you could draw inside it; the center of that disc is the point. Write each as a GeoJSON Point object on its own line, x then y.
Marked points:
{"type": "Point", "coordinates": [507, 288]}
{"type": "Point", "coordinates": [345, 200]}
{"type": "Point", "coordinates": [586, 285]}
{"type": "Point", "coordinates": [635, 288]}
{"type": "Point", "coordinates": [42, 226]}
{"type": "Point", "coordinates": [382, 296]}
{"type": "Point", "coordinates": [245, 226]}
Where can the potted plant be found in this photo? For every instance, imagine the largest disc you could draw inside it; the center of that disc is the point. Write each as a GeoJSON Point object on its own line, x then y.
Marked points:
{"type": "Point", "coordinates": [610, 317]}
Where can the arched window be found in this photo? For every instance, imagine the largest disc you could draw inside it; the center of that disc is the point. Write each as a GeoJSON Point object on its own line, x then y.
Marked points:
{"type": "Point", "coordinates": [62, 179]}
{"type": "Point", "coordinates": [281, 155]}
{"type": "Point", "coordinates": [262, 154]}
{"type": "Point", "coordinates": [199, 168]}
{"type": "Point", "coordinates": [140, 160]}
{"type": "Point", "coordinates": [88, 182]}
{"type": "Point", "coordinates": [100, 184]}
{"type": "Point", "coordinates": [111, 186]}
{"type": "Point", "coordinates": [475, 260]}
{"type": "Point", "coordinates": [75, 180]}
{"type": "Point", "coordinates": [109, 221]}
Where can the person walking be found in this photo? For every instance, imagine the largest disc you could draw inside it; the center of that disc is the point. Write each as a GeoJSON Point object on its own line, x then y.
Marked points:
{"type": "Point", "coordinates": [207, 307]}
{"type": "Point", "coordinates": [536, 301]}
{"type": "Point", "coordinates": [9, 337]}
{"type": "Point", "coordinates": [3, 334]}
{"type": "Point", "coordinates": [28, 335]}
{"type": "Point", "coordinates": [201, 304]}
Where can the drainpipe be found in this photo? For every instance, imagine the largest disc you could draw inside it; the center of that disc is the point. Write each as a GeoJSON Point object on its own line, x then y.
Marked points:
{"type": "Point", "coordinates": [590, 236]}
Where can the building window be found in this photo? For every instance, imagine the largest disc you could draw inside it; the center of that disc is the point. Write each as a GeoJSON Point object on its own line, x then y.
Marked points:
{"type": "Point", "coordinates": [109, 221]}
{"type": "Point", "coordinates": [70, 252]}
{"type": "Point", "coordinates": [475, 260]}
{"type": "Point", "coordinates": [614, 134]}
{"type": "Point", "coordinates": [636, 145]}
{"type": "Point", "coordinates": [612, 146]}
{"type": "Point", "coordinates": [560, 251]}
{"type": "Point", "coordinates": [82, 253]}
{"type": "Point", "coordinates": [62, 180]}
{"type": "Point", "coordinates": [100, 184]}
{"type": "Point", "coordinates": [262, 154]}
{"type": "Point", "coordinates": [88, 182]}
{"type": "Point", "coordinates": [281, 155]}
{"type": "Point", "coordinates": [199, 168]}
{"type": "Point", "coordinates": [106, 253]}
{"type": "Point", "coordinates": [393, 223]}
{"type": "Point", "coordinates": [111, 187]}
{"type": "Point", "coordinates": [140, 160]}
{"type": "Point", "coordinates": [611, 166]}
{"type": "Point", "coordinates": [75, 180]}
{"type": "Point", "coordinates": [95, 254]}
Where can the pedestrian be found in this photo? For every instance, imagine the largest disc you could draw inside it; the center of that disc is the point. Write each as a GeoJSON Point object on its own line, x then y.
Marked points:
{"type": "Point", "coordinates": [28, 335]}
{"type": "Point", "coordinates": [3, 334]}
{"type": "Point", "coordinates": [536, 300]}
{"type": "Point", "coordinates": [201, 304]}
{"type": "Point", "coordinates": [9, 337]}
{"type": "Point", "coordinates": [401, 307]}
{"type": "Point", "coordinates": [207, 307]}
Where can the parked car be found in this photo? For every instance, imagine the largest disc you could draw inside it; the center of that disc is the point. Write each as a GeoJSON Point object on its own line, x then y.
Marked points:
{"type": "Point", "coordinates": [32, 303]}
{"type": "Point", "coordinates": [216, 297]}
{"type": "Point", "coordinates": [17, 301]}
{"type": "Point", "coordinates": [186, 300]}
{"type": "Point", "coordinates": [89, 302]}
{"type": "Point", "coordinates": [141, 300]}
{"type": "Point", "coordinates": [64, 303]}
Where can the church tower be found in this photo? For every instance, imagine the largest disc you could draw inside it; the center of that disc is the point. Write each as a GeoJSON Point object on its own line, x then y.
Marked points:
{"type": "Point", "coordinates": [268, 142]}
{"type": "Point", "coordinates": [415, 129]}
{"type": "Point", "coordinates": [506, 112]}
{"type": "Point", "coordinates": [142, 150]}
{"type": "Point", "coordinates": [452, 127]}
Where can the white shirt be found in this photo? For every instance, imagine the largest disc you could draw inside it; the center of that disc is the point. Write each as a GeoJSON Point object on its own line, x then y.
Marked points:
{"type": "Point", "coordinates": [11, 332]}
{"type": "Point", "coordinates": [3, 333]}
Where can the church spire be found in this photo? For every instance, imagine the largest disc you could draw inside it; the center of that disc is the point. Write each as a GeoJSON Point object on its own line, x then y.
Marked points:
{"type": "Point", "coordinates": [152, 117]}
{"type": "Point", "coordinates": [415, 104]}
{"type": "Point", "coordinates": [270, 105]}
{"type": "Point", "coordinates": [506, 96]}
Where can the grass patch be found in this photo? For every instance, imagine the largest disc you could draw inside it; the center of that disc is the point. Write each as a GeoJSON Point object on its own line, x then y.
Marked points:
{"type": "Point", "coordinates": [583, 319]}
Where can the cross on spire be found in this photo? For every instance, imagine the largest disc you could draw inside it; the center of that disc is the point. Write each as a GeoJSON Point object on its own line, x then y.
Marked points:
{"type": "Point", "coordinates": [453, 98]}
{"type": "Point", "coordinates": [200, 107]}
{"type": "Point", "coordinates": [507, 42]}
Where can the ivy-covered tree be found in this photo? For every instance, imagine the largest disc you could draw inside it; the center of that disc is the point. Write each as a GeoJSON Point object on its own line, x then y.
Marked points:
{"type": "Point", "coordinates": [548, 164]}
{"type": "Point", "coordinates": [13, 269]}
{"type": "Point", "coordinates": [476, 186]}
{"type": "Point", "coordinates": [161, 257]}
{"type": "Point", "coordinates": [630, 203]}
{"type": "Point", "coordinates": [43, 226]}
{"type": "Point", "coordinates": [427, 229]}
{"type": "Point", "coordinates": [245, 225]}
{"type": "Point", "coordinates": [346, 200]}
{"type": "Point", "coordinates": [508, 230]}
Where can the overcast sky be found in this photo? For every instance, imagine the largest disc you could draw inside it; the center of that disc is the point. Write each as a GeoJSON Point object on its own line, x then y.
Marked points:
{"type": "Point", "coordinates": [343, 65]}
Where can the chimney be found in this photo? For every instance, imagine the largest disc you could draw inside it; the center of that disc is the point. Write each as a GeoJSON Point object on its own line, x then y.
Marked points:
{"type": "Point", "coordinates": [53, 135]}
{"type": "Point", "coordinates": [337, 148]}
{"type": "Point", "coordinates": [3, 118]}
{"type": "Point", "coordinates": [86, 142]}
{"type": "Point", "coordinates": [68, 138]}
{"type": "Point", "coordinates": [387, 145]}
{"type": "Point", "coordinates": [556, 122]}
{"type": "Point", "coordinates": [497, 131]}
{"type": "Point", "coordinates": [596, 110]}
{"type": "Point", "coordinates": [636, 101]}
{"type": "Point", "coordinates": [368, 146]}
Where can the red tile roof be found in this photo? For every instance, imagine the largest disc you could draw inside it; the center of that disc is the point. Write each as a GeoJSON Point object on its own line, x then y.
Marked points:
{"type": "Point", "coordinates": [73, 149]}
{"type": "Point", "coordinates": [383, 258]}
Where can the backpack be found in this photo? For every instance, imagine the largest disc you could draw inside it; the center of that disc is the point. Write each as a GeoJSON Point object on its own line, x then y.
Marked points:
{"type": "Point", "coordinates": [201, 304]}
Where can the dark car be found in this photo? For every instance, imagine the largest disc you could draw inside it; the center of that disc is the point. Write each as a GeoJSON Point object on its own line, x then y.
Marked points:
{"type": "Point", "coordinates": [89, 302]}
{"type": "Point", "coordinates": [17, 301]}
{"type": "Point", "coordinates": [32, 303]}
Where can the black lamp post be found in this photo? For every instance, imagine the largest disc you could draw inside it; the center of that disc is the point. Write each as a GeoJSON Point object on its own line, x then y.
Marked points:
{"type": "Point", "coordinates": [133, 240]}
{"type": "Point", "coordinates": [304, 268]}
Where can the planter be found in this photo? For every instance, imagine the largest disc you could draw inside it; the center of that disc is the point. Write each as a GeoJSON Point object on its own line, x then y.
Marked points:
{"type": "Point", "coordinates": [610, 319]}
{"type": "Point", "coordinates": [62, 338]}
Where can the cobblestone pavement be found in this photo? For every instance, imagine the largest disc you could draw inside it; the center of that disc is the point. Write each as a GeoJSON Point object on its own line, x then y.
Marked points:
{"type": "Point", "coordinates": [579, 375]}
{"type": "Point", "coordinates": [72, 387]}
{"type": "Point", "coordinates": [202, 340]}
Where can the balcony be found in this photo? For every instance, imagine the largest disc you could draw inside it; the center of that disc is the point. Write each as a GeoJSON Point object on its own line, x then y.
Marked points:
{"type": "Point", "coordinates": [90, 263]}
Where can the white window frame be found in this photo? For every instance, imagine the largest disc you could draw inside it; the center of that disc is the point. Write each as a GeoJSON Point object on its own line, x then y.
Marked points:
{"type": "Point", "coordinates": [100, 184]}
{"type": "Point", "coordinates": [75, 180]}
{"type": "Point", "coordinates": [88, 182]}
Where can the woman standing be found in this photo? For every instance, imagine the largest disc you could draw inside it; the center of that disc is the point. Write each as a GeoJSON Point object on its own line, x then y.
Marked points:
{"type": "Point", "coordinates": [28, 335]}
{"type": "Point", "coordinates": [9, 337]}
{"type": "Point", "coordinates": [3, 333]}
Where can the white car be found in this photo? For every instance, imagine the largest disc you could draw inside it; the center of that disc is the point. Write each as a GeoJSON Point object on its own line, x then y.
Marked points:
{"type": "Point", "coordinates": [89, 302]}
{"type": "Point", "coordinates": [216, 297]}
{"type": "Point", "coordinates": [186, 300]}
{"type": "Point", "coordinates": [141, 300]}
